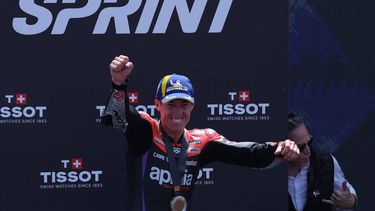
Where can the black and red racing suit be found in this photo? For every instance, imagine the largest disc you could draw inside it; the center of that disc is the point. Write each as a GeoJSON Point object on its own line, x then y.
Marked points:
{"type": "Point", "coordinates": [146, 141]}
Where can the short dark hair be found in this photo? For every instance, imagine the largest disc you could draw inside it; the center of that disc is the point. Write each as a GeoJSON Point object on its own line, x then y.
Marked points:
{"type": "Point", "coordinates": [294, 121]}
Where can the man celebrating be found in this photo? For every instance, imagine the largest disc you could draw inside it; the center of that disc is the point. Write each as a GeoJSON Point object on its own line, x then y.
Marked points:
{"type": "Point", "coordinates": [171, 154]}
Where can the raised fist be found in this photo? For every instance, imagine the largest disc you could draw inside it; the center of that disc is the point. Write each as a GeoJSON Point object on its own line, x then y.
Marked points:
{"type": "Point", "coordinates": [120, 68]}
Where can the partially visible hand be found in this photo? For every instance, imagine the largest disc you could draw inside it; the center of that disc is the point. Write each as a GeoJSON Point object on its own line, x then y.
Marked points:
{"type": "Point", "coordinates": [288, 150]}
{"type": "Point", "coordinates": [120, 69]}
{"type": "Point", "coordinates": [342, 198]}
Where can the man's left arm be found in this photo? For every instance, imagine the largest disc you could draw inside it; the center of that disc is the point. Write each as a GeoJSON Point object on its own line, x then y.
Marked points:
{"type": "Point", "coordinates": [251, 154]}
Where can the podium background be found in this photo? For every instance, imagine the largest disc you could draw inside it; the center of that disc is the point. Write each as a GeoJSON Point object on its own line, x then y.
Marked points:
{"type": "Point", "coordinates": [326, 75]}
{"type": "Point", "coordinates": [68, 74]}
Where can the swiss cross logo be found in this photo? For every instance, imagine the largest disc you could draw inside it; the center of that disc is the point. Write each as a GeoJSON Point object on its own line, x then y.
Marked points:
{"type": "Point", "coordinates": [244, 96]}
{"type": "Point", "coordinates": [77, 163]}
{"type": "Point", "coordinates": [21, 99]}
{"type": "Point", "coordinates": [133, 97]}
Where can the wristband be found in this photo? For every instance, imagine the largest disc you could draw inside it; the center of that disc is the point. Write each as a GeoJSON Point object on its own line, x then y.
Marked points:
{"type": "Point", "coordinates": [121, 87]}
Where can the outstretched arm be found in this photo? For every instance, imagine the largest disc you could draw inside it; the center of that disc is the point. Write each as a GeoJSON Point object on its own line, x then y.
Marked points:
{"type": "Point", "coordinates": [251, 154]}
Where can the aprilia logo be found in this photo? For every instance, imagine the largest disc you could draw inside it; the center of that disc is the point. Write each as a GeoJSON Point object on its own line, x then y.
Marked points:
{"type": "Point", "coordinates": [163, 176]}
{"type": "Point", "coordinates": [189, 19]}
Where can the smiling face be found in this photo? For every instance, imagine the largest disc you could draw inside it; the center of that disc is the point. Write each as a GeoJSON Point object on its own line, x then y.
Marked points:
{"type": "Point", "coordinates": [174, 116]}
{"type": "Point", "coordinates": [300, 135]}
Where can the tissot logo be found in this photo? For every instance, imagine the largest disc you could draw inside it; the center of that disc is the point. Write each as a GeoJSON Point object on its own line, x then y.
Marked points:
{"type": "Point", "coordinates": [241, 106]}
{"type": "Point", "coordinates": [134, 100]}
{"type": "Point", "coordinates": [71, 174]}
{"type": "Point", "coordinates": [39, 17]}
{"type": "Point", "coordinates": [18, 109]}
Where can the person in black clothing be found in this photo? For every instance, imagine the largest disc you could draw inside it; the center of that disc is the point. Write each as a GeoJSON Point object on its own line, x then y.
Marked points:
{"type": "Point", "coordinates": [315, 181]}
{"type": "Point", "coordinates": [171, 154]}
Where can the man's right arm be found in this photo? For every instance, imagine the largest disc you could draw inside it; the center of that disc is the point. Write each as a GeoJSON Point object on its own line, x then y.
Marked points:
{"type": "Point", "coordinates": [119, 114]}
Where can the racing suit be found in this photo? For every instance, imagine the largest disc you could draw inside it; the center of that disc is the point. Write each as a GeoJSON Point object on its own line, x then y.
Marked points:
{"type": "Point", "coordinates": [146, 141]}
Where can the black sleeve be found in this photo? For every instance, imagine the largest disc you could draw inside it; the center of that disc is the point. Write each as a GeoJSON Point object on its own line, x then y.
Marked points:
{"type": "Point", "coordinates": [120, 115]}
{"type": "Point", "coordinates": [139, 132]}
{"type": "Point", "coordinates": [250, 154]}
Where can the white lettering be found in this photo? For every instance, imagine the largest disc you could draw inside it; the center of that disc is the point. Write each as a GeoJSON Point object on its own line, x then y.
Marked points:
{"type": "Point", "coordinates": [65, 163]}
{"type": "Point", "coordinates": [84, 178]}
{"type": "Point", "coordinates": [212, 107]}
{"type": "Point", "coordinates": [151, 108]}
{"type": "Point", "coordinates": [232, 95]}
{"type": "Point", "coordinates": [31, 114]}
{"type": "Point", "coordinates": [43, 15]}
{"type": "Point", "coordinates": [72, 176]}
{"type": "Point", "coordinates": [119, 15]}
{"type": "Point", "coordinates": [264, 106]}
{"type": "Point", "coordinates": [96, 174]}
{"type": "Point", "coordinates": [147, 16]}
{"type": "Point", "coordinates": [254, 109]}
{"type": "Point", "coordinates": [238, 109]}
{"type": "Point", "coordinates": [206, 171]}
{"type": "Point", "coordinates": [220, 16]}
{"type": "Point", "coordinates": [9, 98]}
{"type": "Point", "coordinates": [189, 18]}
{"type": "Point", "coordinates": [45, 176]}
{"type": "Point", "coordinates": [101, 109]}
{"type": "Point", "coordinates": [18, 112]}
{"type": "Point", "coordinates": [41, 109]}
{"type": "Point", "coordinates": [164, 176]}
{"type": "Point", "coordinates": [66, 14]}
{"type": "Point", "coordinates": [4, 112]}
{"type": "Point", "coordinates": [61, 177]}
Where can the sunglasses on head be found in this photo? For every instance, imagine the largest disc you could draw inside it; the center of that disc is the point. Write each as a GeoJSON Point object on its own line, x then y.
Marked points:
{"type": "Point", "coordinates": [302, 147]}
